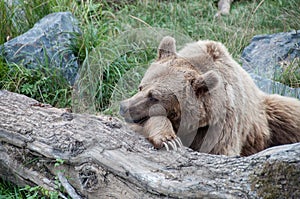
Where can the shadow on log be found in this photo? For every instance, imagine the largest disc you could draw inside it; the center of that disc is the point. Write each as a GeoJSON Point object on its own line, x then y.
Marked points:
{"type": "Point", "coordinates": [104, 159]}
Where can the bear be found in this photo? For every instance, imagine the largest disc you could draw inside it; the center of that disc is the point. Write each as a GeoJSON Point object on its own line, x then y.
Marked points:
{"type": "Point", "coordinates": [200, 97]}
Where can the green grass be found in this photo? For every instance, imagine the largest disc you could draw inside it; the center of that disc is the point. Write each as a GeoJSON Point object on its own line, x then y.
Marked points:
{"type": "Point", "coordinates": [10, 191]}
{"type": "Point", "coordinates": [119, 40]}
{"type": "Point", "coordinates": [102, 25]}
{"type": "Point", "coordinates": [289, 73]}
{"type": "Point", "coordinates": [189, 18]}
{"type": "Point", "coordinates": [18, 18]}
{"type": "Point", "coordinates": [43, 84]}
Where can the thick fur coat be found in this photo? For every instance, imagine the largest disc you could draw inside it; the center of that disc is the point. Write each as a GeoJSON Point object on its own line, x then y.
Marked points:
{"type": "Point", "coordinates": [204, 97]}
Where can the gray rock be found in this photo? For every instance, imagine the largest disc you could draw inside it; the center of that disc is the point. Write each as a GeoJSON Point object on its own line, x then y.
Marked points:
{"type": "Point", "coordinates": [270, 86]}
{"type": "Point", "coordinates": [48, 43]}
{"type": "Point", "coordinates": [262, 59]}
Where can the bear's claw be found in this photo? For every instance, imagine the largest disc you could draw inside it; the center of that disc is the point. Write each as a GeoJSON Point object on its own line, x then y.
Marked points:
{"type": "Point", "coordinates": [175, 144]}
{"type": "Point", "coordinates": [178, 141]}
{"type": "Point", "coordinates": [166, 146]}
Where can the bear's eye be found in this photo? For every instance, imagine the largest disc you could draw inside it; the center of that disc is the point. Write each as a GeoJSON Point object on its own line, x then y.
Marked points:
{"type": "Point", "coordinates": [140, 88]}
{"type": "Point", "coordinates": [151, 97]}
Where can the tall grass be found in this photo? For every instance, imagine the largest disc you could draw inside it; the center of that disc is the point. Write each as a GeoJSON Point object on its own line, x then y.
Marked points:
{"type": "Point", "coordinates": [103, 22]}
{"type": "Point", "coordinates": [289, 73]}
{"type": "Point", "coordinates": [18, 17]}
{"type": "Point", "coordinates": [44, 84]}
{"type": "Point", "coordinates": [191, 18]}
{"type": "Point", "coordinates": [112, 62]}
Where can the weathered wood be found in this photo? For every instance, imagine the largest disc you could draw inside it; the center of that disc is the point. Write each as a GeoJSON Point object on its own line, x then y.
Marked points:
{"type": "Point", "coordinates": [103, 159]}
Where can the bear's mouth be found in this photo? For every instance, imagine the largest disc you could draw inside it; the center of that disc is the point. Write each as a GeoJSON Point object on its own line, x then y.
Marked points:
{"type": "Point", "coordinates": [137, 121]}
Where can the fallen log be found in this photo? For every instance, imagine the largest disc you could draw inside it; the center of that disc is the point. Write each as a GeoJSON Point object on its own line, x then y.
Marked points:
{"type": "Point", "coordinates": [91, 156]}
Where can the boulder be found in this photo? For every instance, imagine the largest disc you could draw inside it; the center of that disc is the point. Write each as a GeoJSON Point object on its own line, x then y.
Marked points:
{"type": "Point", "coordinates": [265, 55]}
{"type": "Point", "coordinates": [48, 44]}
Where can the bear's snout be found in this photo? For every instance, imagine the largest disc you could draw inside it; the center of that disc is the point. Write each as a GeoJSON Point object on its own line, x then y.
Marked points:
{"type": "Point", "coordinates": [123, 109]}
{"type": "Point", "coordinates": [134, 111]}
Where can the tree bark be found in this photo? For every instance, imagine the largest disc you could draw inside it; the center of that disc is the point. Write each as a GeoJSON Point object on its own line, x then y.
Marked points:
{"type": "Point", "coordinates": [104, 159]}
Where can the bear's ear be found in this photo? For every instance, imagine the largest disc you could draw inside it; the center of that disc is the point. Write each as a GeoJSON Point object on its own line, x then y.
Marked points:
{"type": "Point", "coordinates": [216, 50]}
{"type": "Point", "coordinates": [166, 47]}
{"type": "Point", "coordinates": [205, 83]}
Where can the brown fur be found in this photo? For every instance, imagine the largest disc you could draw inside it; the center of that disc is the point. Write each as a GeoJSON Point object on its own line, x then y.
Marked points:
{"type": "Point", "coordinates": [211, 102]}
{"type": "Point", "coordinates": [159, 129]}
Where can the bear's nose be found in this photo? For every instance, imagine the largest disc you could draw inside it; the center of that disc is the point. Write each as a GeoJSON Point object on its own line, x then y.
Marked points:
{"type": "Point", "coordinates": [123, 109]}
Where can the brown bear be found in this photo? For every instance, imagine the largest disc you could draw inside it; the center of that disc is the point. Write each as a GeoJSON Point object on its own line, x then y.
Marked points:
{"type": "Point", "coordinates": [204, 99]}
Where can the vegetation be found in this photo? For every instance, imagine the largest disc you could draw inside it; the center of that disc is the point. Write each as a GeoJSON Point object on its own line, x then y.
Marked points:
{"type": "Point", "coordinates": [10, 191]}
{"type": "Point", "coordinates": [43, 84]}
{"type": "Point", "coordinates": [289, 73]}
{"type": "Point", "coordinates": [118, 37]}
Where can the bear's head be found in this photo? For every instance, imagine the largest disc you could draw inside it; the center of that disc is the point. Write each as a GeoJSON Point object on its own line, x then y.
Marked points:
{"type": "Point", "coordinates": [174, 87]}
